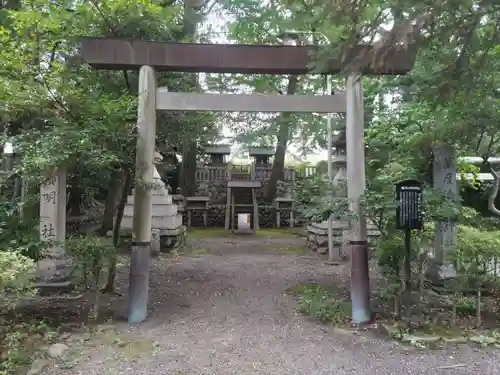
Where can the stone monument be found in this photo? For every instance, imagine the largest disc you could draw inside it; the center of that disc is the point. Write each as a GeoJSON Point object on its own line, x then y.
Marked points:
{"type": "Point", "coordinates": [54, 266]}
{"type": "Point", "coordinates": [444, 180]}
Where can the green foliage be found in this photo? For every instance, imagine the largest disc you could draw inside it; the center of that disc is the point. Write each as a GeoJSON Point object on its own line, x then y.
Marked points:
{"type": "Point", "coordinates": [18, 234]}
{"type": "Point", "coordinates": [51, 100]}
{"type": "Point", "coordinates": [92, 256]}
{"type": "Point", "coordinates": [19, 342]}
{"type": "Point", "coordinates": [389, 292]}
{"type": "Point", "coordinates": [472, 218]}
{"type": "Point", "coordinates": [465, 305]}
{"type": "Point", "coordinates": [476, 252]}
{"type": "Point", "coordinates": [316, 198]}
{"type": "Point", "coordinates": [16, 277]}
{"type": "Point", "coordinates": [16, 338]}
{"type": "Point", "coordinates": [318, 302]}
{"type": "Point", "coordinates": [390, 251]}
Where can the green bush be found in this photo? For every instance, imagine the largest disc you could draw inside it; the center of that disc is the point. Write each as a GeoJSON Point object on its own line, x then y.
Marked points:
{"type": "Point", "coordinates": [16, 234]}
{"type": "Point", "coordinates": [92, 255]}
{"type": "Point", "coordinates": [390, 251]}
{"type": "Point", "coordinates": [16, 281]}
{"type": "Point", "coordinates": [315, 197]}
{"type": "Point", "coordinates": [16, 277]}
{"type": "Point", "coordinates": [476, 251]}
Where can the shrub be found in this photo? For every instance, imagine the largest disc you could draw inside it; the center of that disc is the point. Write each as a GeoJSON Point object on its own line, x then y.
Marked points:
{"type": "Point", "coordinates": [17, 234]}
{"type": "Point", "coordinates": [92, 255]}
{"type": "Point", "coordinates": [476, 251]}
{"type": "Point", "coordinates": [16, 281]}
{"type": "Point", "coordinates": [316, 199]}
{"type": "Point", "coordinates": [16, 276]}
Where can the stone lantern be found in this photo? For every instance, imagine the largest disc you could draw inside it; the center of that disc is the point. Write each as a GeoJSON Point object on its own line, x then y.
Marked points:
{"type": "Point", "coordinates": [340, 163]}
{"type": "Point", "coordinates": [261, 155]}
{"type": "Point", "coordinates": [217, 154]}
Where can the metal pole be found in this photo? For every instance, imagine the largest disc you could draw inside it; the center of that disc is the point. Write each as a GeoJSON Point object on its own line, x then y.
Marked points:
{"type": "Point", "coordinates": [407, 272]}
{"type": "Point", "coordinates": [330, 166]}
{"type": "Point", "coordinates": [141, 240]}
{"type": "Point", "coordinates": [329, 129]}
{"type": "Point", "coordinates": [360, 279]}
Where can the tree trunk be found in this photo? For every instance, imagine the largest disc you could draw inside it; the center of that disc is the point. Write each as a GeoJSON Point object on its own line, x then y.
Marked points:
{"type": "Point", "coordinates": [110, 285]}
{"type": "Point", "coordinates": [189, 170]}
{"type": "Point", "coordinates": [116, 185]}
{"type": "Point", "coordinates": [75, 198]}
{"type": "Point", "coordinates": [283, 135]}
{"type": "Point", "coordinates": [75, 193]}
{"type": "Point", "coordinates": [189, 154]}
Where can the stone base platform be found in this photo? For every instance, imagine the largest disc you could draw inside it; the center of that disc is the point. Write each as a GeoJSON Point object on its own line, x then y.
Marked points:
{"type": "Point", "coordinates": [169, 238]}
{"type": "Point", "coordinates": [317, 238]}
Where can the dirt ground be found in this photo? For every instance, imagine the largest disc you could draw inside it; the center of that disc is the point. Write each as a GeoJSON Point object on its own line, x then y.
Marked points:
{"type": "Point", "coordinates": [222, 308]}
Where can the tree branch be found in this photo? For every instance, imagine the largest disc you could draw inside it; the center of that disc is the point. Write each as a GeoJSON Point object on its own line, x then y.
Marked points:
{"type": "Point", "coordinates": [112, 29]}
{"type": "Point", "coordinates": [208, 8]}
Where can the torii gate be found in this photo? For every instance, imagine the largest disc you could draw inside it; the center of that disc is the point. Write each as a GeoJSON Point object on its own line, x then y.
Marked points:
{"type": "Point", "coordinates": [148, 56]}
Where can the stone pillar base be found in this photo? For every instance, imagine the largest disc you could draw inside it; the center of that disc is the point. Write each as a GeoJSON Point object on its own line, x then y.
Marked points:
{"type": "Point", "coordinates": [440, 274]}
{"type": "Point", "coordinates": [54, 267]}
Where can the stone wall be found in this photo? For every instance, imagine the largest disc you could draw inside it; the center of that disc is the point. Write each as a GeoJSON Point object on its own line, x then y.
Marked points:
{"type": "Point", "coordinates": [216, 217]}
{"type": "Point", "coordinates": [216, 190]}
{"type": "Point", "coordinates": [317, 237]}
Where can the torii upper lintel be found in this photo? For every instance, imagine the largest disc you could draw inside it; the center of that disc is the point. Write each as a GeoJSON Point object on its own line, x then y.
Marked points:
{"type": "Point", "coordinates": [118, 54]}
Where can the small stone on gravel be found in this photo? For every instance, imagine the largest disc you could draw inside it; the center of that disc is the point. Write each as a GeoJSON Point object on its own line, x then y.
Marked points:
{"type": "Point", "coordinates": [57, 350]}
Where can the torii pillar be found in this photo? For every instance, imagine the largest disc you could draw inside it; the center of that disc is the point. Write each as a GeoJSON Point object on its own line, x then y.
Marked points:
{"type": "Point", "coordinates": [141, 232]}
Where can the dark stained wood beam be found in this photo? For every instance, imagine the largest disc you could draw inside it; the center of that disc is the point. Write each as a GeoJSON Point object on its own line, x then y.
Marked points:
{"type": "Point", "coordinates": [121, 54]}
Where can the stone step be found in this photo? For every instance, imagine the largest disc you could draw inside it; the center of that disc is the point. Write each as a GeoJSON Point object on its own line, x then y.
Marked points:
{"type": "Point", "coordinates": [158, 210]}
{"type": "Point", "coordinates": [160, 222]}
{"type": "Point", "coordinates": [157, 199]}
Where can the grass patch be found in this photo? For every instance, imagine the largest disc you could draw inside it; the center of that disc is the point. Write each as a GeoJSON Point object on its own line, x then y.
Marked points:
{"type": "Point", "coordinates": [277, 232]}
{"type": "Point", "coordinates": [222, 233]}
{"type": "Point", "coordinates": [288, 250]}
{"type": "Point", "coordinates": [196, 252]}
{"type": "Point", "coordinates": [208, 233]}
{"type": "Point", "coordinates": [322, 303]}
{"type": "Point", "coordinates": [130, 349]}
{"type": "Point", "coordinates": [440, 330]}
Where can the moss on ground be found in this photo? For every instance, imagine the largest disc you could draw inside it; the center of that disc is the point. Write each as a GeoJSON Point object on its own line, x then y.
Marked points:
{"type": "Point", "coordinates": [288, 249]}
{"type": "Point", "coordinates": [197, 252]}
{"type": "Point", "coordinates": [222, 233]}
{"type": "Point", "coordinates": [277, 232]}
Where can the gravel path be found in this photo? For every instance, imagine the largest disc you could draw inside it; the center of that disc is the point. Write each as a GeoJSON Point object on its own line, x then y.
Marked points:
{"type": "Point", "coordinates": [227, 313]}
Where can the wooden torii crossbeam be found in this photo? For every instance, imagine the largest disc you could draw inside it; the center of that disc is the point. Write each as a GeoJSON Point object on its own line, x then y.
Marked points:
{"type": "Point", "coordinates": [117, 54]}
{"type": "Point", "coordinates": [148, 56]}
